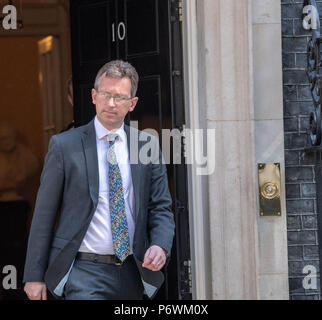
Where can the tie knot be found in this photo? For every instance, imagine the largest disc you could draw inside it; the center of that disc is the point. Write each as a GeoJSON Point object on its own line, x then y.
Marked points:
{"type": "Point", "coordinates": [112, 137]}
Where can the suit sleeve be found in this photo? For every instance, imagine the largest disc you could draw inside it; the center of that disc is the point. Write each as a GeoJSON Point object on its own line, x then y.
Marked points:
{"type": "Point", "coordinates": [47, 205]}
{"type": "Point", "coordinates": [160, 221]}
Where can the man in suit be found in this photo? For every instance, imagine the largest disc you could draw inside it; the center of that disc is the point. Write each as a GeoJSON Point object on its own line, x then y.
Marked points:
{"type": "Point", "coordinates": [102, 226]}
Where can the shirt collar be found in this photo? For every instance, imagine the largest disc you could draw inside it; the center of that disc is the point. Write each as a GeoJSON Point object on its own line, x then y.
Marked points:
{"type": "Point", "coordinates": [102, 132]}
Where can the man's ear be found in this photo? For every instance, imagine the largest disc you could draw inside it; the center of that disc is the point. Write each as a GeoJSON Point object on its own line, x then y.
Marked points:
{"type": "Point", "coordinates": [134, 102]}
{"type": "Point", "coordinates": [93, 96]}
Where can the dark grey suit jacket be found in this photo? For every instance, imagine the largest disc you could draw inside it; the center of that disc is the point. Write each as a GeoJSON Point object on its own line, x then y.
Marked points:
{"type": "Point", "coordinates": [69, 188]}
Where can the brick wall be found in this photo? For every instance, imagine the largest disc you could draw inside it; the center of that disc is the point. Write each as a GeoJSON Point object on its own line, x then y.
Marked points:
{"type": "Point", "coordinates": [300, 177]}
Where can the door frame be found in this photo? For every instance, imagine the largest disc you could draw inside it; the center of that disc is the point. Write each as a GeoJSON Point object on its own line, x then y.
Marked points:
{"type": "Point", "coordinates": [50, 74]}
{"type": "Point", "coordinates": [197, 184]}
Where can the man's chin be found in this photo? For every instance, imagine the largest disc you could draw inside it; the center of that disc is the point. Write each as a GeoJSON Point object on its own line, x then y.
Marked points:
{"type": "Point", "coordinates": [109, 124]}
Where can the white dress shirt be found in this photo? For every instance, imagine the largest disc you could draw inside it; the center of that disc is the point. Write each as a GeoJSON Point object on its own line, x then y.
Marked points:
{"type": "Point", "coordinates": [98, 238]}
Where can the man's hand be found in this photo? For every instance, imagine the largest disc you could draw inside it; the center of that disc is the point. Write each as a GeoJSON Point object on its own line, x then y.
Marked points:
{"type": "Point", "coordinates": [154, 258]}
{"type": "Point", "coordinates": [36, 290]}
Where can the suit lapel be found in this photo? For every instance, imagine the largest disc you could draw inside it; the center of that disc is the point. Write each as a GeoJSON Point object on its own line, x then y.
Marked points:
{"type": "Point", "coordinates": [90, 150]}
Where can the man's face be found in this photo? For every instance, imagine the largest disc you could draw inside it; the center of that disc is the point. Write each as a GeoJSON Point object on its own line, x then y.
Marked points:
{"type": "Point", "coordinates": [111, 113]}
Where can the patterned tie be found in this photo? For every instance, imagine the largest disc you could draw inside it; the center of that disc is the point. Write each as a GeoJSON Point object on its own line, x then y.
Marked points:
{"type": "Point", "coordinates": [120, 233]}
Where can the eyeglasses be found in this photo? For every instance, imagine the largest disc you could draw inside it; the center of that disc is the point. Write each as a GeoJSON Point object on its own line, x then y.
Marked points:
{"type": "Point", "coordinates": [117, 99]}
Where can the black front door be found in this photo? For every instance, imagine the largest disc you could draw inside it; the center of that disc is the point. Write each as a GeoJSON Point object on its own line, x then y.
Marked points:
{"type": "Point", "coordinates": [147, 34]}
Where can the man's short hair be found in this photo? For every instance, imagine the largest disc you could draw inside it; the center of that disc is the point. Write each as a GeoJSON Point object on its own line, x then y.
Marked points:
{"type": "Point", "coordinates": [119, 69]}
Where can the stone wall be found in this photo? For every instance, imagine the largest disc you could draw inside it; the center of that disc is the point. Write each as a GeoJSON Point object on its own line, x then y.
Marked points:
{"type": "Point", "coordinates": [239, 94]}
{"type": "Point", "coordinates": [299, 175]}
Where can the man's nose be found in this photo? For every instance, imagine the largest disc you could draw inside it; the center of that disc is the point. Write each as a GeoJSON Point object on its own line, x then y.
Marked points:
{"type": "Point", "coordinates": [111, 101]}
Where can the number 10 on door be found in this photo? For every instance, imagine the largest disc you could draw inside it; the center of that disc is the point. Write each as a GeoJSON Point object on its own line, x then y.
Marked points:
{"type": "Point", "coordinates": [121, 32]}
